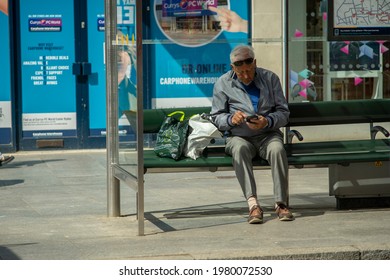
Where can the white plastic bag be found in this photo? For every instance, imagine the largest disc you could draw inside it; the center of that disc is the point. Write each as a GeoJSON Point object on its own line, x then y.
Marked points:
{"type": "Point", "coordinates": [202, 133]}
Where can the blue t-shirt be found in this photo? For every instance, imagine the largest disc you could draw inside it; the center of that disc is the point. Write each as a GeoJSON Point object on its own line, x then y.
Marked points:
{"type": "Point", "coordinates": [253, 92]}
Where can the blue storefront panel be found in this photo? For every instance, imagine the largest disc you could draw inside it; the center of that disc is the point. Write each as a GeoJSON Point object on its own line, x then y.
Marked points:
{"type": "Point", "coordinates": [47, 84]}
{"type": "Point", "coordinates": [5, 79]}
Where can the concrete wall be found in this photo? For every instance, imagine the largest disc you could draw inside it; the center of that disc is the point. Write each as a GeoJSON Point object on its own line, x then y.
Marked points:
{"type": "Point", "coordinates": [267, 33]}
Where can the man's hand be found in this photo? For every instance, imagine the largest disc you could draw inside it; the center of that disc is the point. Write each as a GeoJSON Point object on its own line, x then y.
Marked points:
{"type": "Point", "coordinates": [255, 124]}
{"type": "Point", "coordinates": [4, 6]}
{"type": "Point", "coordinates": [258, 123]}
{"type": "Point", "coordinates": [238, 118]}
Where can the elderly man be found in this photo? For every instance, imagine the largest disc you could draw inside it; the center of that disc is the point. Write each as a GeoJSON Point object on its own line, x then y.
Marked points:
{"type": "Point", "coordinates": [248, 103]}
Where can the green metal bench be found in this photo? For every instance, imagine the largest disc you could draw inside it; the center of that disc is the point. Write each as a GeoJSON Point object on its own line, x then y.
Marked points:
{"type": "Point", "coordinates": [300, 153]}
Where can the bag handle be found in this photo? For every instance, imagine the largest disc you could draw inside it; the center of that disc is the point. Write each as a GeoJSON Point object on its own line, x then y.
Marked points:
{"type": "Point", "coordinates": [177, 112]}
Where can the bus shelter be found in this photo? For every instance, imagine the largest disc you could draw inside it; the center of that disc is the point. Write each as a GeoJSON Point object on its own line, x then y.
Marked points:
{"type": "Point", "coordinates": [162, 54]}
{"type": "Point", "coordinates": [189, 44]}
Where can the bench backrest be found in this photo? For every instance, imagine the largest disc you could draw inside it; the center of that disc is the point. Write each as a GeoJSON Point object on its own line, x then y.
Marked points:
{"type": "Point", "coordinates": [153, 118]}
{"type": "Point", "coordinates": [302, 114]}
{"type": "Point", "coordinates": [339, 112]}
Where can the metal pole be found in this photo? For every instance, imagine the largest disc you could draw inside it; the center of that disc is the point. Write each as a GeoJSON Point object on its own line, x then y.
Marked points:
{"type": "Point", "coordinates": [284, 69]}
{"type": "Point", "coordinates": [140, 120]}
{"type": "Point", "coordinates": [284, 47]}
{"type": "Point", "coordinates": [113, 184]}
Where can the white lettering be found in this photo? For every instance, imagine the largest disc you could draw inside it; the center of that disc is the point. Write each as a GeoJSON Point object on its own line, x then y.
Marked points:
{"type": "Point", "coordinates": [29, 63]}
{"type": "Point", "coordinates": [125, 15]}
{"type": "Point", "coordinates": [171, 6]}
{"type": "Point", "coordinates": [201, 3]}
{"type": "Point", "coordinates": [36, 78]}
{"type": "Point", "coordinates": [188, 81]}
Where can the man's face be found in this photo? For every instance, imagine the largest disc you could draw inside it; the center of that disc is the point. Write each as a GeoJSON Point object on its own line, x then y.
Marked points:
{"type": "Point", "coordinates": [245, 69]}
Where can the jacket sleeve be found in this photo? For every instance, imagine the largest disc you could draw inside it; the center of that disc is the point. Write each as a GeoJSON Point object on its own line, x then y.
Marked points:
{"type": "Point", "coordinates": [280, 113]}
{"type": "Point", "coordinates": [220, 112]}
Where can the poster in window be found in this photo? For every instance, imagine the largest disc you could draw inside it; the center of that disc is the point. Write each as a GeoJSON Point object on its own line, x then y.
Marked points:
{"type": "Point", "coordinates": [358, 20]}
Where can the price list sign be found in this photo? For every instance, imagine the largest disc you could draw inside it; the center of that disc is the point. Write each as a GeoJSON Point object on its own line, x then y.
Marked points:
{"type": "Point", "coordinates": [48, 84]}
{"type": "Point", "coordinates": [47, 70]}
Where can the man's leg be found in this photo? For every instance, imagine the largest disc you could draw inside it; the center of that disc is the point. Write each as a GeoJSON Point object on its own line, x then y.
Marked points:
{"type": "Point", "coordinates": [276, 156]}
{"type": "Point", "coordinates": [242, 153]}
{"type": "Point", "coordinates": [273, 151]}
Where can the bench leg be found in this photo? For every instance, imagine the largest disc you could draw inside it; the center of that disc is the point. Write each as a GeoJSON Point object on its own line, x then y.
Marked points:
{"type": "Point", "coordinates": [113, 197]}
{"type": "Point", "coordinates": [288, 194]}
{"type": "Point", "coordinates": [140, 203]}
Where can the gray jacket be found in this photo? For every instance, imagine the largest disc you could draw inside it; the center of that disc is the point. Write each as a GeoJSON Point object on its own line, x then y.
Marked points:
{"type": "Point", "coordinates": [229, 96]}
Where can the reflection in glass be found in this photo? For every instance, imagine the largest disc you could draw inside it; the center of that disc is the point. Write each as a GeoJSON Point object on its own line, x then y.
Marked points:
{"type": "Point", "coordinates": [188, 26]}
{"type": "Point", "coordinates": [127, 100]}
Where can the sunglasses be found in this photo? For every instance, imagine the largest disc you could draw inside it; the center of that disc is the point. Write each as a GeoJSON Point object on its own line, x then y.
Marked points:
{"type": "Point", "coordinates": [241, 62]}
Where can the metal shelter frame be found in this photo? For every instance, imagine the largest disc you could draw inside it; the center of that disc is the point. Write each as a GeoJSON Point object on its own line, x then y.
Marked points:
{"type": "Point", "coordinates": [115, 173]}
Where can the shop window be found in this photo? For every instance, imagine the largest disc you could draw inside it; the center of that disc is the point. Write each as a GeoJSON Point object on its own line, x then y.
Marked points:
{"type": "Point", "coordinates": [320, 70]}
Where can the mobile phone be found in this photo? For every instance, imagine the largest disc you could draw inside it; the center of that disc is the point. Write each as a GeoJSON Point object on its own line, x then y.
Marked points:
{"type": "Point", "coordinates": [250, 118]}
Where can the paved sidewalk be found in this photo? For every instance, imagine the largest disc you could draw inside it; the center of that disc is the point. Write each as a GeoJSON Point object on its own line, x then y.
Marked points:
{"type": "Point", "coordinates": [53, 206]}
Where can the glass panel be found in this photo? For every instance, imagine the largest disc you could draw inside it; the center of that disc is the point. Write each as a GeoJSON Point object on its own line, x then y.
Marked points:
{"type": "Point", "coordinates": [320, 70]}
{"type": "Point", "coordinates": [187, 50]}
{"type": "Point", "coordinates": [127, 85]}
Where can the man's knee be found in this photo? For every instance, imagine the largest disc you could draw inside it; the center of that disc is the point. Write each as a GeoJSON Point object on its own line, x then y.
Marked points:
{"type": "Point", "coordinates": [276, 148]}
{"type": "Point", "coordinates": [241, 151]}
{"type": "Point", "coordinates": [239, 146]}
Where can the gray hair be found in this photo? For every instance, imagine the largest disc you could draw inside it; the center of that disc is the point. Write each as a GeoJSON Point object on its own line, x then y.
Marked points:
{"type": "Point", "coordinates": [240, 50]}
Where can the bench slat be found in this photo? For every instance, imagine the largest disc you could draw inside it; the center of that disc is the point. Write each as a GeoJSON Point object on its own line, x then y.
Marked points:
{"type": "Point", "coordinates": [326, 159]}
{"type": "Point", "coordinates": [153, 119]}
{"type": "Point", "coordinates": [336, 147]}
{"type": "Point", "coordinates": [316, 153]}
{"type": "Point", "coordinates": [339, 112]}
{"type": "Point", "coordinates": [151, 160]}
